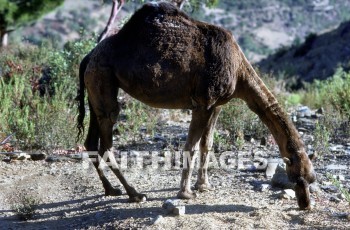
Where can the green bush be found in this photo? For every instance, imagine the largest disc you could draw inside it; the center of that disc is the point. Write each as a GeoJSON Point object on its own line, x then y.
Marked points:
{"type": "Point", "coordinates": [241, 122]}
{"type": "Point", "coordinates": [138, 119]}
{"type": "Point", "coordinates": [40, 122]}
{"type": "Point", "coordinates": [25, 205]}
{"type": "Point", "coordinates": [333, 94]}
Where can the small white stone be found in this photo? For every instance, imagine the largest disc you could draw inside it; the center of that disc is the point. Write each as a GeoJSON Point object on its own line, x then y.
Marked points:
{"type": "Point", "coordinates": [341, 177]}
{"type": "Point", "coordinates": [179, 210]}
{"type": "Point", "coordinates": [290, 193]}
{"type": "Point", "coordinates": [264, 187]}
{"type": "Point", "coordinates": [158, 220]}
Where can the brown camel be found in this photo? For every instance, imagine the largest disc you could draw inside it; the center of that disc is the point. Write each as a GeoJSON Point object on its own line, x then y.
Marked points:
{"type": "Point", "coordinates": [166, 59]}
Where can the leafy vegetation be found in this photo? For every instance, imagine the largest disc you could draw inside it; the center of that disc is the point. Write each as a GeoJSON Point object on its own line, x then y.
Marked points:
{"type": "Point", "coordinates": [333, 94]}
{"type": "Point", "coordinates": [24, 205]}
{"type": "Point", "coordinates": [38, 107]}
{"type": "Point", "coordinates": [338, 184]}
{"type": "Point", "coordinates": [38, 86]}
{"type": "Point", "coordinates": [14, 13]}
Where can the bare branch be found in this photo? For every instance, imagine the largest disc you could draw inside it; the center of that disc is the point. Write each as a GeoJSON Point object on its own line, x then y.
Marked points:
{"type": "Point", "coordinates": [6, 139]}
{"type": "Point", "coordinates": [117, 5]}
{"type": "Point", "coordinates": [179, 3]}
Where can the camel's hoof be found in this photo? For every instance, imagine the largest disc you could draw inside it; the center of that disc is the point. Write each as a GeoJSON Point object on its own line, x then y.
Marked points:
{"type": "Point", "coordinates": [307, 206]}
{"type": "Point", "coordinates": [138, 198]}
{"type": "Point", "coordinates": [113, 192]}
{"type": "Point", "coordinates": [203, 187]}
{"type": "Point", "coordinates": [186, 195]}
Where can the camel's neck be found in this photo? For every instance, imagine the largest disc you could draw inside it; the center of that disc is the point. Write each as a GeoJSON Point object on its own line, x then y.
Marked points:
{"type": "Point", "coordinates": [251, 89]}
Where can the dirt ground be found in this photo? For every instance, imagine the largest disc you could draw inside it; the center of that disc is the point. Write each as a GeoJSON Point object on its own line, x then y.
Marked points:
{"type": "Point", "coordinates": [70, 195]}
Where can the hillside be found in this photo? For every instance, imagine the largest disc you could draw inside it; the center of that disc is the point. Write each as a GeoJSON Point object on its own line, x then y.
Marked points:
{"type": "Point", "coordinates": [263, 26]}
{"type": "Point", "coordinates": [260, 27]}
{"type": "Point", "coordinates": [317, 58]}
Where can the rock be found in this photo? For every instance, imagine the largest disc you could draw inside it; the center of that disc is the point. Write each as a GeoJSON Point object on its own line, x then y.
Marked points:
{"type": "Point", "coordinates": [304, 111]}
{"type": "Point", "coordinates": [340, 177]}
{"type": "Point", "coordinates": [336, 167]}
{"type": "Point", "coordinates": [281, 181]}
{"type": "Point", "coordinates": [19, 156]}
{"type": "Point", "coordinates": [260, 164]}
{"type": "Point", "coordinates": [158, 220]}
{"type": "Point", "coordinates": [341, 196]}
{"type": "Point", "coordinates": [314, 187]}
{"type": "Point", "coordinates": [312, 203]}
{"type": "Point", "coordinates": [182, 137]}
{"type": "Point", "coordinates": [23, 156]}
{"type": "Point", "coordinates": [290, 193]}
{"type": "Point", "coordinates": [336, 148]}
{"type": "Point", "coordinates": [159, 137]}
{"type": "Point", "coordinates": [284, 196]}
{"type": "Point", "coordinates": [38, 156]}
{"type": "Point", "coordinates": [170, 204]}
{"type": "Point", "coordinates": [272, 165]}
{"type": "Point", "coordinates": [54, 158]}
{"type": "Point", "coordinates": [179, 210]}
{"type": "Point", "coordinates": [334, 199]}
{"type": "Point", "coordinates": [7, 159]}
{"type": "Point", "coordinates": [76, 156]}
{"type": "Point", "coordinates": [264, 187]}
{"type": "Point", "coordinates": [271, 169]}
{"type": "Point", "coordinates": [280, 178]}
{"type": "Point", "coordinates": [330, 188]}
{"type": "Point", "coordinates": [320, 111]}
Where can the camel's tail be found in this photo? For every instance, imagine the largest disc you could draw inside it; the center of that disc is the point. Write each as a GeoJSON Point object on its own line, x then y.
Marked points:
{"type": "Point", "coordinates": [81, 97]}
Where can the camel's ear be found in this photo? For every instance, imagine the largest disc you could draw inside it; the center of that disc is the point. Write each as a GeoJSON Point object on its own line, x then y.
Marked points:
{"type": "Point", "coordinates": [287, 161]}
{"type": "Point", "coordinates": [313, 156]}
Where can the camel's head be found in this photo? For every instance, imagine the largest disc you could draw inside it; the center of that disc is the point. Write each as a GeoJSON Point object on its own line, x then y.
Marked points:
{"type": "Point", "coordinates": [301, 172]}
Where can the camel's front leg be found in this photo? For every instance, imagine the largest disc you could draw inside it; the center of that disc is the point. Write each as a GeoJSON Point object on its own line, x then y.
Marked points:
{"type": "Point", "coordinates": [200, 121]}
{"type": "Point", "coordinates": [206, 144]}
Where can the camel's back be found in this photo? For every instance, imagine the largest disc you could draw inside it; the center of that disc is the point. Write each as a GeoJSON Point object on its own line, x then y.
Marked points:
{"type": "Point", "coordinates": [160, 47]}
{"type": "Point", "coordinates": [160, 31]}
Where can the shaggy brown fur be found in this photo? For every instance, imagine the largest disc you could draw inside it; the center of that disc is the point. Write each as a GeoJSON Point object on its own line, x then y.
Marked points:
{"type": "Point", "coordinates": [166, 59]}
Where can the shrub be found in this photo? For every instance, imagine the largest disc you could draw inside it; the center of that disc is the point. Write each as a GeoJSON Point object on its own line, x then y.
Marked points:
{"type": "Point", "coordinates": [136, 119]}
{"type": "Point", "coordinates": [241, 122]}
{"type": "Point", "coordinates": [40, 122]}
{"type": "Point", "coordinates": [25, 205]}
{"type": "Point", "coordinates": [333, 94]}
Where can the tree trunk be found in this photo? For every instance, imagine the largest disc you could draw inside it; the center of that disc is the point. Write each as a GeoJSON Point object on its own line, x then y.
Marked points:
{"type": "Point", "coordinates": [4, 38]}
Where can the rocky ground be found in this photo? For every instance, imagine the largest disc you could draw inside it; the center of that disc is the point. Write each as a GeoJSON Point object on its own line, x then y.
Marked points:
{"type": "Point", "coordinates": [250, 192]}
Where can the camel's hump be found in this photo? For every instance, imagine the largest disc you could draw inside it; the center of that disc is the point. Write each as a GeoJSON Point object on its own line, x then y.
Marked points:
{"type": "Point", "coordinates": [158, 10]}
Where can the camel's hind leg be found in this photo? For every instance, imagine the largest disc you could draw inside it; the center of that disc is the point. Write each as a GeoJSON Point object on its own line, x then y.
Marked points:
{"type": "Point", "coordinates": [200, 121]}
{"type": "Point", "coordinates": [91, 145]}
{"type": "Point", "coordinates": [91, 142]}
{"type": "Point", "coordinates": [103, 97]}
{"type": "Point", "coordinates": [205, 146]}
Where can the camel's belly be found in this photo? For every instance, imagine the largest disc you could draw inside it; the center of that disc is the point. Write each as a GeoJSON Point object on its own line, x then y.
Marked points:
{"type": "Point", "coordinates": [166, 96]}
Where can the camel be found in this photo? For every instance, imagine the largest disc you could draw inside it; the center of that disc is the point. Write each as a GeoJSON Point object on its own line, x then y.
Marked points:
{"type": "Point", "coordinates": [165, 59]}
